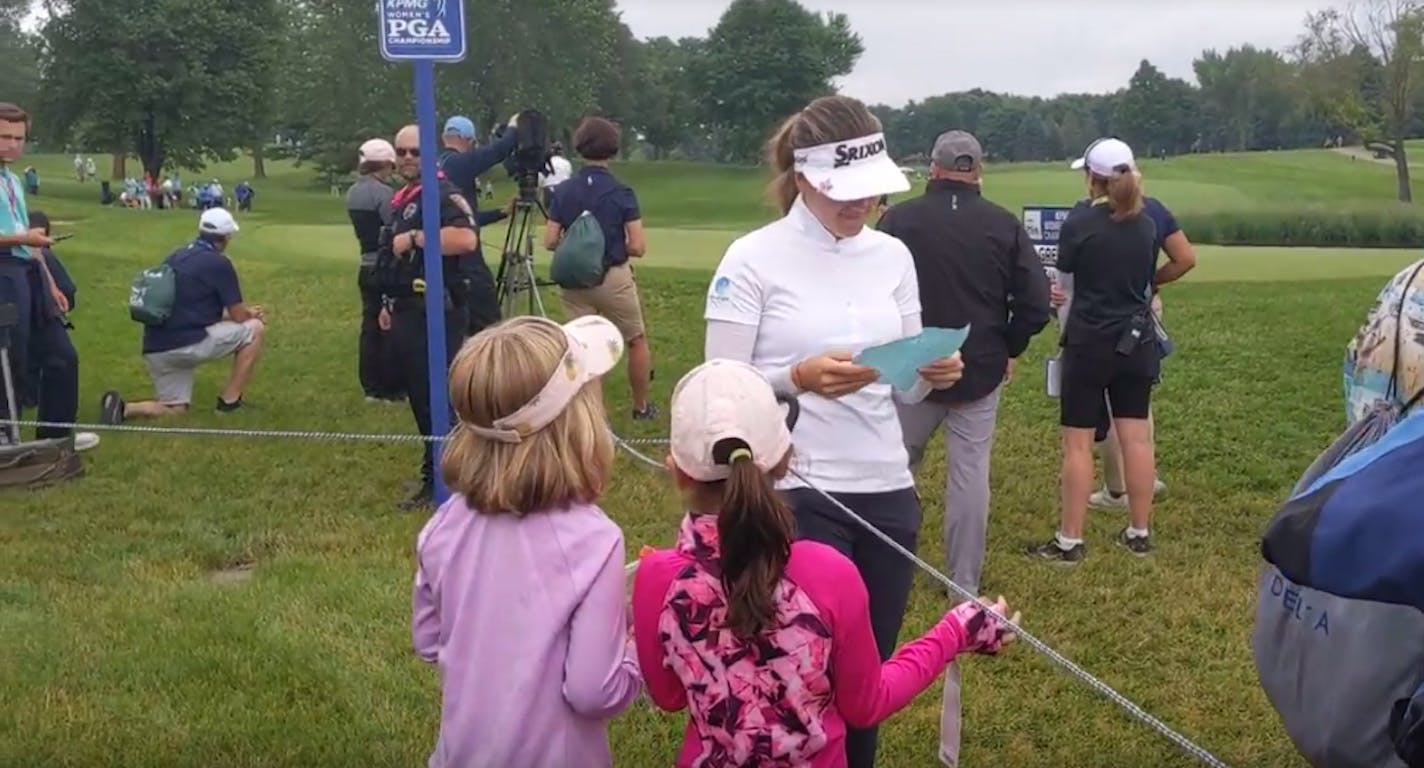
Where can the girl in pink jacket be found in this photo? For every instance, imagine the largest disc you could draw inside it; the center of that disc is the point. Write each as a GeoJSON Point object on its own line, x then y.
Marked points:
{"type": "Point", "coordinates": [766, 641]}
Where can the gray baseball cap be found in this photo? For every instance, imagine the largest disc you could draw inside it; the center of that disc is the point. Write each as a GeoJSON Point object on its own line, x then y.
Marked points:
{"type": "Point", "coordinates": [957, 151]}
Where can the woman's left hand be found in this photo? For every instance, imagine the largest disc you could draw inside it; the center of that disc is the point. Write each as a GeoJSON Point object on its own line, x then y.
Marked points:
{"type": "Point", "coordinates": [945, 372]}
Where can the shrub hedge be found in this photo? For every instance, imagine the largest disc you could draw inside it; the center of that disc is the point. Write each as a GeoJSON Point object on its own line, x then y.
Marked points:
{"type": "Point", "coordinates": [1382, 226]}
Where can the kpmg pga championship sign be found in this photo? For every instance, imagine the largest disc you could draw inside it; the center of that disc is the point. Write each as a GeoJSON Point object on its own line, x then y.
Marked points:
{"type": "Point", "coordinates": [422, 30]}
{"type": "Point", "coordinates": [1043, 223]}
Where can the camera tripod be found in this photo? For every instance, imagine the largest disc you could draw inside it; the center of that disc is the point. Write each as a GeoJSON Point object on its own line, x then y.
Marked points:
{"type": "Point", "coordinates": [516, 264]}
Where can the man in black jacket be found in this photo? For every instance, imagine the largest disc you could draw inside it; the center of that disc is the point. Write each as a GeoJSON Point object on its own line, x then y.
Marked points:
{"type": "Point", "coordinates": [976, 267]}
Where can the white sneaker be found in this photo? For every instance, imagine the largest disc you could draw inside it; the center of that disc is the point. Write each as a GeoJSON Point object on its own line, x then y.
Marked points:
{"type": "Point", "coordinates": [83, 441]}
{"type": "Point", "coordinates": [1104, 499]}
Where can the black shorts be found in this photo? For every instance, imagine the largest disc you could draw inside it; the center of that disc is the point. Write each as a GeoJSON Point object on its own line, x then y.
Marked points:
{"type": "Point", "coordinates": [1095, 369]}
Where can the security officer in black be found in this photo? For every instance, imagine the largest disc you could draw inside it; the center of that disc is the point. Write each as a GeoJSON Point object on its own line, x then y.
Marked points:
{"type": "Point", "coordinates": [401, 269]}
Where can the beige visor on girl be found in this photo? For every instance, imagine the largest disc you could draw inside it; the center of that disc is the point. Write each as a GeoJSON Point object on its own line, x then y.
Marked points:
{"type": "Point", "coordinates": [595, 346]}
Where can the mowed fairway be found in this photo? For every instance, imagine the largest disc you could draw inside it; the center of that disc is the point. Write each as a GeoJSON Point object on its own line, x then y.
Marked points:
{"type": "Point", "coordinates": [120, 646]}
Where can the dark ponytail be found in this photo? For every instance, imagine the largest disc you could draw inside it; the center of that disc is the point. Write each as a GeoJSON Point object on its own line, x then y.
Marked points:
{"type": "Point", "coordinates": [755, 530]}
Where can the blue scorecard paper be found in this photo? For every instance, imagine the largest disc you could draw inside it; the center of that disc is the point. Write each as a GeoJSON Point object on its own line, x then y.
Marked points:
{"type": "Point", "coordinates": [899, 362]}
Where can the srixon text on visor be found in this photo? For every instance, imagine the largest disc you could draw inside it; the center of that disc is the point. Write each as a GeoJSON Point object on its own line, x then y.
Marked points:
{"type": "Point", "coordinates": [847, 153]}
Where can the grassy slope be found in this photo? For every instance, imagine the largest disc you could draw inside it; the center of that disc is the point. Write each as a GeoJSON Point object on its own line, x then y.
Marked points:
{"type": "Point", "coordinates": [117, 648]}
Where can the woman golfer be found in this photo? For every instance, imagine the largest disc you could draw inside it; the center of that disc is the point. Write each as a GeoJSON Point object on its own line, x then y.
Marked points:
{"type": "Point", "coordinates": [1109, 343]}
{"type": "Point", "coordinates": [797, 299]}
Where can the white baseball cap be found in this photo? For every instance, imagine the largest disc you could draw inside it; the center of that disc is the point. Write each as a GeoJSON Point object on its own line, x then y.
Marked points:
{"type": "Point", "coordinates": [217, 221]}
{"type": "Point", "coordinates": [377, 151]}
{"type": "Point", "coordinates": [595, 346]}
{"type": "Point", "coordinates": [855, 169]}
{"type": "Point", "coordinates": [1105, 157]}
{"type": "Point", "coordinates": [721, 400]}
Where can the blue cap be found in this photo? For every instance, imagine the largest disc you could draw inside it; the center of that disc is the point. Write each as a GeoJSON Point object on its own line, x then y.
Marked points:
{"type": "Point", "coordinates": [460, 126]}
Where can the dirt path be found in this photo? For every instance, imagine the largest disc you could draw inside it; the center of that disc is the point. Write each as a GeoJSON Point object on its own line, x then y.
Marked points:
{"type": "Point", "coordinates": [1360, 153]}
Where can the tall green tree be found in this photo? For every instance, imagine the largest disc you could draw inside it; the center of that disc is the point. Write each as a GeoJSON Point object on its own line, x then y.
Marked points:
{"type": "Point", "coordinates": [1364, 66]}
{"type": "Point", "coordinates": [764, 60]}
{"type": "Point", "coordinates": [1155, 114]}
{"type": "Point", "coordinates": [176, 82]}
{"type": "Point", "coordinates": [666, 112]}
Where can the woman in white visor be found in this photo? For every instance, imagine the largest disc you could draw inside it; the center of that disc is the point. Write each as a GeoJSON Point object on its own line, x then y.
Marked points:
{"type": "Point", "coordinates": [797, 299]}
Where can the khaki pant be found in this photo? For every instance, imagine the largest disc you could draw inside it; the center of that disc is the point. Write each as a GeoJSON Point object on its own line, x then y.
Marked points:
{"type": "Point", "coordinates": [616, 299]}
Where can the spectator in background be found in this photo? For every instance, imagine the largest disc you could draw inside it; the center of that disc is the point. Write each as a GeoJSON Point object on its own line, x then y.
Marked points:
{"type": "Point", "coordinates": [1171, 239]}
{"type": "Point", "coordinates": [595, 189]}
{"type": "Point", "coordinates": [89, 170]}
{"type": "Point", "coordinates": [976, 267]}
{"type": "Point", "coordinates": [368, 204]}
{"type": "Point", "coordinates": [54, 364]}
{"type": "Point", "coordinates": [1109, 343]}
{"type": "Point", "coordinates": [210, 321]}
{"type": "Point", "coordinates": [38, 340]}
{"type": "Point", "coordinates": [32, 181]}
{"type": "Point", "coordinates": [562, 171]}
{"type": "Point", "coordinates": [244, 194]}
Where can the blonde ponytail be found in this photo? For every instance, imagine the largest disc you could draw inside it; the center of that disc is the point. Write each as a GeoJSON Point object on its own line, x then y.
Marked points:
{"type": "Point", "coordinates": [1123, 191]}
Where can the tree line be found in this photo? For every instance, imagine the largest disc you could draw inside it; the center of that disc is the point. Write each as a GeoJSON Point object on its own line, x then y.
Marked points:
{"type": "Point", "coordinates": [180, 82]}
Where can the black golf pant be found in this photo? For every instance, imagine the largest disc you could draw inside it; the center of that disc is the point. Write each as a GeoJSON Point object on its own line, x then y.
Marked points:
{"type": "Point", "coordinates": [409, 338]}
{"type": "Point", "coordinates": [376, 366]}
{"type": "Point", "coordinates": [887, 574]}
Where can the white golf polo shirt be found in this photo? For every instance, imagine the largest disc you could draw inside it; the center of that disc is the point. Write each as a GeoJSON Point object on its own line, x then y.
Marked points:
{"type": "Point", "coordinates": [798, 292]}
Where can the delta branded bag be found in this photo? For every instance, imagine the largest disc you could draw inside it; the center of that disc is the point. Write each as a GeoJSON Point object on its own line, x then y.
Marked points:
{"type": "Point", "coordinates": [151, 295]}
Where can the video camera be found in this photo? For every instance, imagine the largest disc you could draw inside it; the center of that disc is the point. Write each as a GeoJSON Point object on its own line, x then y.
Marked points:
{"type": "Point", "coordinates": [531, 155]}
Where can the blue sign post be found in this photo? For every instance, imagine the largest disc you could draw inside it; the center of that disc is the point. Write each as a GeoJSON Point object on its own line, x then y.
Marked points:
{"type": "Point", "coordinates": [424, 32]}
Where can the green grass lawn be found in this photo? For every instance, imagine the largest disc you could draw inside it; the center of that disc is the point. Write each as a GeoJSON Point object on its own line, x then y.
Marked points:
{"type": "Point", "coordinates": [120, 647]}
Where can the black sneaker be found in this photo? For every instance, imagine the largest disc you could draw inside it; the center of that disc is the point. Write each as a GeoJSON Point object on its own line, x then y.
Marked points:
{"type": "Point", "coordinates": [422, 498]}
{"type": "Point", "coordinates": [648, 413]}
{"type": "Point", "coordinates": [111, 408]}
{"type": "Point", "coordinates": [1137, 545]}
{"type": "Point", "coordinates": [1051, 551]}
{"type": "Point", "coordinates": [226, 407]}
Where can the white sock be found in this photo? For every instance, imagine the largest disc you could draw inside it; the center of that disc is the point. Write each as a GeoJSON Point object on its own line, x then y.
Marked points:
{"type": "Point", "coordinates": [1065, 543]}
{"type": "Point", "coordinates": [1136, 533]}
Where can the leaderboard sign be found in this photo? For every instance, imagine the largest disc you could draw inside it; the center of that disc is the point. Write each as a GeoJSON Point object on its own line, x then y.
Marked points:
{"type": "Point", "coordinates": [1043, 224]}
{"type": "Point", "coordinates": [425, 30]}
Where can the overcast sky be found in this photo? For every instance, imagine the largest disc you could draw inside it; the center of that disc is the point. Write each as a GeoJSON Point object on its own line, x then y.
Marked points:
{"type": "Point", "coordinates": [919, 48]}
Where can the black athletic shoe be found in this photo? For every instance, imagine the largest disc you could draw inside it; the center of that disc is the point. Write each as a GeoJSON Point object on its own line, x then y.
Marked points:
{"type": "Point", "coordinates": [1053, 552]}
{"type": "Point", "coordinates": [648, 413]}
{"type": "Point", "coordinates": [1137, 545]}
{"type": "Point", "coordinates": [111, 408]}
{"type": "Point", "coordinates": [226, 407]}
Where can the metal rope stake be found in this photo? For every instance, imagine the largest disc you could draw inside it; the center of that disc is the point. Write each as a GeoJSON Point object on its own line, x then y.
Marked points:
{"type": "Point", "coordinates": [1185, 744]}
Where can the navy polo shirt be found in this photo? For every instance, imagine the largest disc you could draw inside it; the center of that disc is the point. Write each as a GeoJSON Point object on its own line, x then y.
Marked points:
{"type": "Point", "coordinates": [611, 202]}
{"type": "Point", "coordinates": [205, 284]}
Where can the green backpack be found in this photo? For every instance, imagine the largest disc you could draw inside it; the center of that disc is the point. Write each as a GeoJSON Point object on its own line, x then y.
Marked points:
{"type": "Point", "coordinates": [578, 260]}
{"type": "Point", "coordinates": [151, 295]}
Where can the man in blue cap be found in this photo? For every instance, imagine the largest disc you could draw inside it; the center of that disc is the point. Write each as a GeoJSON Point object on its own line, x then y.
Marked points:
{"type": "Point", "coordinates": [462, 161]}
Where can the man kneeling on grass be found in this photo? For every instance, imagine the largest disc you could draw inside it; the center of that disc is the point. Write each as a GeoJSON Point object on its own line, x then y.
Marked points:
{"type": "Point", "coordinates": [209, 322]}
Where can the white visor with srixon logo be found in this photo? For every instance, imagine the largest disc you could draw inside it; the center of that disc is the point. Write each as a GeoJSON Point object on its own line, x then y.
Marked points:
{"type": "Point", "coordinates": [856, 169]}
